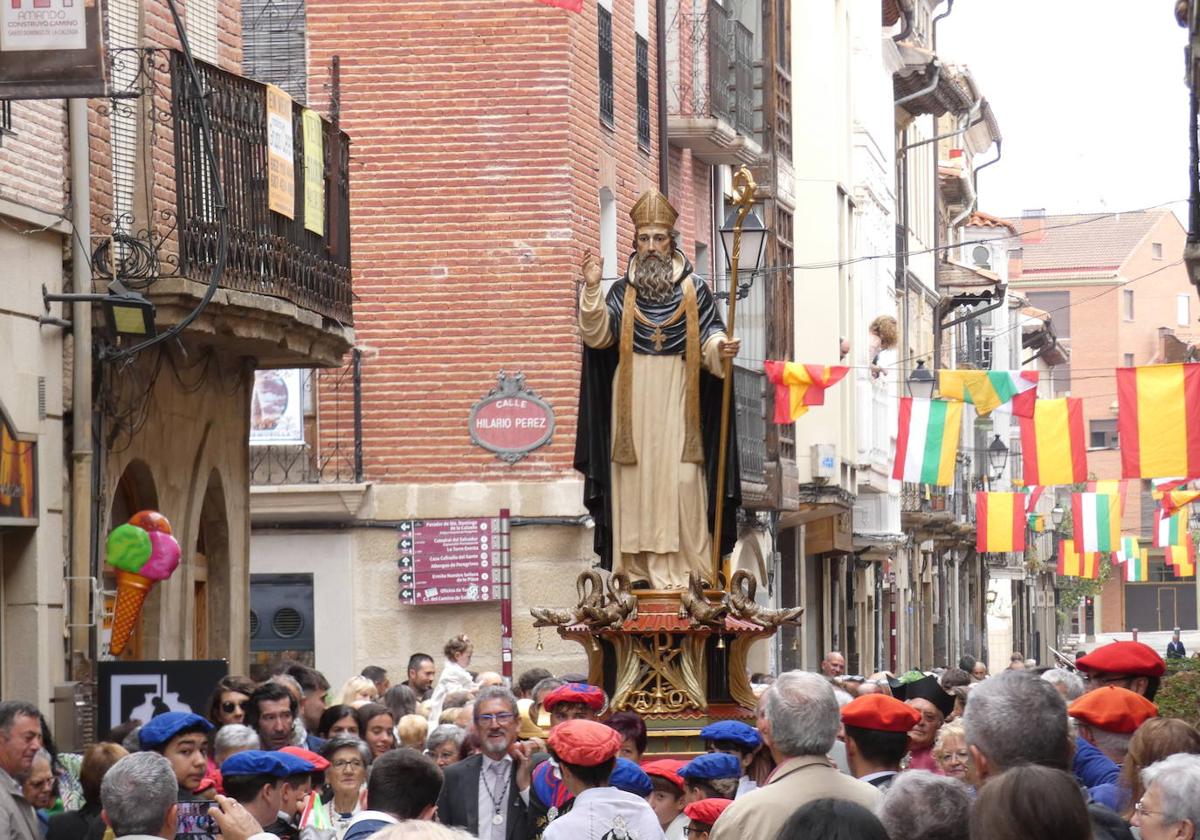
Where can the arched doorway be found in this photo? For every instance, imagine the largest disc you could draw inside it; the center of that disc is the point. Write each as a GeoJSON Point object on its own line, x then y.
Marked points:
{"type": "Point", "coordinates": [211, 591]}
{"type": "Point", "coordinates": [135, 491]}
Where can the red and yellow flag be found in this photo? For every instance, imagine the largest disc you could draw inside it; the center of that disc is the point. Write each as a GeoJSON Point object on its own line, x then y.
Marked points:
{"type": "Point", "coordinates": [1158, 420]}
{"type": "Point", "coordinates": [1053, 444]}
{"type": "Point", "coordinates": [799, 386]}
{"type": "Point", "coordinates": [1172, 500]}
{"type": "Point", "coordinates": [1072, 563]}
{"type": "Point", "coordinates": [1181, 558]}
{"type": "Point", "coordinates": [999, 521]}
{"type": "Point", "coordinates": [569, 5]}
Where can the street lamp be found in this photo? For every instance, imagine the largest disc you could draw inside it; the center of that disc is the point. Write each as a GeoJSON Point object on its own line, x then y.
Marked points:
{"type": "Point", "coordinates": [997, 457]}
{"type": "Point", "coordinates": [1057, 515]}
{"type": "Point", "coordinates": [734, 234]}
{"type": "Point", "coordinates": [921, 382]}
{"type": "Point", "coordinates": [753, 242]}
{"type": "Point", "coordinates": [126, 312]}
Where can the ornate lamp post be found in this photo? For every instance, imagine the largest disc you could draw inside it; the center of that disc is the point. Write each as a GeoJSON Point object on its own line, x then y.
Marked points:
{"type": "Point", "coordinates": [742, 226]}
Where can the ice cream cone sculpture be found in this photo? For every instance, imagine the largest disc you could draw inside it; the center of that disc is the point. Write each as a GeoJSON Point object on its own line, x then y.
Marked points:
{"type": "Point", "coordinates": [143, 552]}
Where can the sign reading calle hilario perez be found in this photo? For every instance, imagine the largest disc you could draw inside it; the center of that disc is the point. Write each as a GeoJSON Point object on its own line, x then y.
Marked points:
{"type": "Point", "coordinates": [51, 49]}
{"type": "Point", "coordinates": [511, 420]}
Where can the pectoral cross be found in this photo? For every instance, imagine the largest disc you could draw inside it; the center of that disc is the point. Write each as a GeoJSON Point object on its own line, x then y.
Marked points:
{"type": "Point", "coordinates": [658, 337]}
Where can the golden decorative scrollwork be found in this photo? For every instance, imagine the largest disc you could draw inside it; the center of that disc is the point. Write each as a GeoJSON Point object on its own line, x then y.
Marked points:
{"type": "Point", "coordinates": [659, 673]}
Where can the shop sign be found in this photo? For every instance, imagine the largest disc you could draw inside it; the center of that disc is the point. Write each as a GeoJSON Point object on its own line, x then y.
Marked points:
{"type": "Point", "coordinates": [144, 690]}
{"type": "Point", "coordinates": [51, 49]}
{"type": "Point", "coordinates": [449, 561]}
{"type": "Point", "coordinates": [18, 476]}
{"type": "Point", "coordinates": [511, 420]}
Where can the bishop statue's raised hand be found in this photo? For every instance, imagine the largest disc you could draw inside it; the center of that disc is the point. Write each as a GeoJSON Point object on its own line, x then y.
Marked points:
{"type": "Point", "coordinates": [593, 270]}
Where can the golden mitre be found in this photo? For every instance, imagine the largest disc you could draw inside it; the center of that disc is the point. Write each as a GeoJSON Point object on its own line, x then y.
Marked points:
{"type": "Point", "coordinates": [653, 209]}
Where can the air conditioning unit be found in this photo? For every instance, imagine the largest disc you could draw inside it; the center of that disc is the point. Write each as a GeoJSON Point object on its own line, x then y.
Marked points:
{"type": "Point", "coordinates": [824, 460]}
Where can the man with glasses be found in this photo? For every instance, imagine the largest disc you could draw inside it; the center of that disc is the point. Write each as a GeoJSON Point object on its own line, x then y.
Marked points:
{"type": "Point", "coordinates": [1131, 665]}
{"type": "Point", "coordinates": [1170, 808]}
{"type": "Point", "coordinates": [488, 794]}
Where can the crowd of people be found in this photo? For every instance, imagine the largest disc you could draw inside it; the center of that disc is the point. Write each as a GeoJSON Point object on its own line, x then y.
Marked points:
{"type": "Point", "coordinates": [1073, 754]}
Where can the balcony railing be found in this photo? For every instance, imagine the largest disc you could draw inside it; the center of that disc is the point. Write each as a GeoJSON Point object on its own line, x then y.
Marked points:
{"type": "Point", "coordinates": [748, 397]}
{"type": "Point", "coordinates": [333, 450]}
{"type": "Point", "coordinates": [730, 54]}
{"type": "Point", "coordinates": [269, 253]}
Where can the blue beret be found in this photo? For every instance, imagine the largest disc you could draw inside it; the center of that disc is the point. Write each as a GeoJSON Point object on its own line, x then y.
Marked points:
{"type": "Point", "coordinates": [630, 778]}
{"type": "Point", "coordinates": [295, 764]}
{"type": "Point", "coordinates": [163, 728]}
{"type": "Point", "coordinates": [257, 763]}
{"type": "Point", "coordinates": [734, 731]}
{"type": "Point", "coordinates": [712, 766]}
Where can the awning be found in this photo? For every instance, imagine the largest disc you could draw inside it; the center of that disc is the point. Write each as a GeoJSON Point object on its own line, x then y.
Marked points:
{"type": "Point", "coordinates": [953, 92]}
{"type": "Point", "coordinates": [956, 280]}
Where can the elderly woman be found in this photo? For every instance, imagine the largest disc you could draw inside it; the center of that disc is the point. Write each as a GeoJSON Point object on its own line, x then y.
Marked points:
{"type": "Point", "coordinates": [922, 806]}
{"type": "Point", "coordinates": [376, 726]}
{"type": "Point", "coordinates": [950, 752]}
{"type": "Point", "coordinates": [346, 778]}
{"type": "Point", "coordinates": [1170, 807]}
{"type": "Point", "coordinates": [339, 720]}
{"type": "Point", "coordinates": [39, 788]}
{"type": "Point", "coordinates": [1155, 740]}
{"type": "Point", "coordinates": [443, 744]}
{"type": "Point", "coordinates": [454, 676]}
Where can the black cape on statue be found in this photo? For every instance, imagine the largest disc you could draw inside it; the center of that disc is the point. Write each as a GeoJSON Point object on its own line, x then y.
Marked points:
{"type": "Point", "coordinates": [594, 436]}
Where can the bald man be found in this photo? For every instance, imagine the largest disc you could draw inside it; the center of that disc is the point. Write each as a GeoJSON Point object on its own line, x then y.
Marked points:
{"type": "Point", "coordinates": [833, 665]}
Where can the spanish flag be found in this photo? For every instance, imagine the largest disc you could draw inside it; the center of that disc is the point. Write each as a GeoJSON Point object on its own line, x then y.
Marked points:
{"type": "Point", "coordinates": [1172, 500]}
{"type": "Point", "coordinates": [1072, 563]}
{"type": "Point", "coordinates": [1181, 558]}
{"type": "Point", "coordinates": [999, 521]}
{"type": "Point", "coordinates": [1158, 420]}
{"type": "Point", "coordinates": [987, 390]}
{"type": "Point", "coordinates": [1053, 444]}
{"type": "Point", "coordinates": [799, 386]}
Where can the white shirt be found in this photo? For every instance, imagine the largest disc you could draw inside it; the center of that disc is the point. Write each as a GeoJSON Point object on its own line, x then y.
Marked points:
{"type": "Point", "coordinates": [597, 811]}
{"type": "Point", "coordinates": [745, 785]}
{"type": "Point", "coordinates": [499, 785]}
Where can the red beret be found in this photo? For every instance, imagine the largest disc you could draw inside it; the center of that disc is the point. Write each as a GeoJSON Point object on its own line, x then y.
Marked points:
{"type": "Point", "coordinates": [880, 712]}
{"type": "Point", "coordinates": [1132, 658]}
{"type": "Point", "coordinates": [1113, 709]}
{"type": "Point", "coordinates": [667, 768]}
{"type": "Point", "coordinates": [588, 695]}
{"type": "Point", "coordinates": [319, 764]}
{"type": "Point", "coordinates": [706, 810]}
{"type": "Point", "coordinates": [584, 742]}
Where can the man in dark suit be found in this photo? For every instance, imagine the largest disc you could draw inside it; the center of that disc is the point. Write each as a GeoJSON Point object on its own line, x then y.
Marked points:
{"type": "Point", "coordinates": [491, 788]}
{"type": "Point", "coordinates": [1175, 647]}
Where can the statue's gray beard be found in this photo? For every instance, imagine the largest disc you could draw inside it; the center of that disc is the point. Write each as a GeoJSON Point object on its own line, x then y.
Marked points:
{"type": "Point", "coordinates": [654, 277]}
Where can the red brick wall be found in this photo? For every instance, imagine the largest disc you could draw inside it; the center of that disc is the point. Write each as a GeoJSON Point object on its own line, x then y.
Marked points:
{"type": "Point", "coordinates": [477, 161]}
{"type": "Point", "coordinates": [33, 161]}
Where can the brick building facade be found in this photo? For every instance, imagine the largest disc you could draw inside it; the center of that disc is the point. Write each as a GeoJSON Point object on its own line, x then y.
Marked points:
{"type": "Point", "coordinates": [485, 165]}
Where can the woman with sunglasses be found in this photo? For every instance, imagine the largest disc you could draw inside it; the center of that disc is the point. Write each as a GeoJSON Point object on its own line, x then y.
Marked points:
{"type": "Point", "coordinates": [228, 701]}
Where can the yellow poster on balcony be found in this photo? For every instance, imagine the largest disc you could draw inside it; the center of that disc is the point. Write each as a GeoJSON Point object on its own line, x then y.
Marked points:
{"type": "Point", "coordinates": [281, 167]}
{"type": "Point", "coordinates": [314, 173]}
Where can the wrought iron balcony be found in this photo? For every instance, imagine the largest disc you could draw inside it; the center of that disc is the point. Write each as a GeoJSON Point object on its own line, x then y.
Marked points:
{"type": "Point", "coordinates": [268, 253]}
{"type": "Point", "coordinates": [714, 112]}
